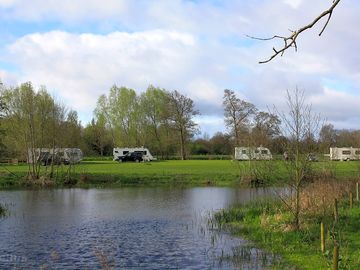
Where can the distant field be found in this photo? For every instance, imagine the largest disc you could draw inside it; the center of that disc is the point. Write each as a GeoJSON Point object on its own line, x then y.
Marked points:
{"type": "Point", "coordinates": [198, 172]}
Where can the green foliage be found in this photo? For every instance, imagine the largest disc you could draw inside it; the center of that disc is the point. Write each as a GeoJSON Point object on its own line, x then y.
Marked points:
{"type": "Point", "coordinates": [158, 119]}
{"type": "Point", "coordinates": [33, 119]}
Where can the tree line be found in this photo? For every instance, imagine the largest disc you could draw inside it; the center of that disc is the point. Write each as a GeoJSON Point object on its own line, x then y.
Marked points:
{"type": "Point", "coordinates": [161, 120]}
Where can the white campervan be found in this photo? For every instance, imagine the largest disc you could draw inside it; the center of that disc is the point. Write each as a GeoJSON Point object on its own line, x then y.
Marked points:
{"type": "Point", "coordinates": [250, 153]}
{"type": "Point", "coordinates": [120, 152]}
{"type": "Point", "coordinates": [344, 153]}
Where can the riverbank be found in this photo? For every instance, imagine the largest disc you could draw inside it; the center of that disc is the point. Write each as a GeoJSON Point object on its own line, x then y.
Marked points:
{"type": "Point", "coordinates": [268, 225]}
{"type": "Point", "coordinates": [173, 172]}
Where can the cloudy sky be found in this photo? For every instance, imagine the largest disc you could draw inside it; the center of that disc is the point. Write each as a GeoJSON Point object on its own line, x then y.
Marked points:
{"type": "Point", "coordinates": [79, 48]}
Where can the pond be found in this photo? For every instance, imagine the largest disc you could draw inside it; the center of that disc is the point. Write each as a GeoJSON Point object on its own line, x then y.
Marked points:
{"type": "Point", "coordinates": [125, 228]}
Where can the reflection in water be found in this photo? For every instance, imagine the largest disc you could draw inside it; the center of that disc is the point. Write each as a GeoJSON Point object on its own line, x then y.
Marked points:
{"type": "Point", "coordinates": [147, 228]}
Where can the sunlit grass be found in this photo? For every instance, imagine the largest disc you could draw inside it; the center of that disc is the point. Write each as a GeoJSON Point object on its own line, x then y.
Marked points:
{"type": "Point", "coordinates": [210, 172]}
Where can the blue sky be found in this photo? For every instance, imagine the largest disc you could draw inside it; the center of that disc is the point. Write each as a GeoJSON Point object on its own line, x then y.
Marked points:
{"type": "Point", "coordinates": [78, 49]}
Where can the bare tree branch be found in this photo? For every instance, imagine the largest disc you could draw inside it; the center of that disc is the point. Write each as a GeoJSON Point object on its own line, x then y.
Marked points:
{"type": "Point", "coordinates": [290, 41]}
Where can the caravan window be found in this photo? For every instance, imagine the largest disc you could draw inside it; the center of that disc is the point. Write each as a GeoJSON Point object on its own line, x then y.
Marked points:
{"type": "Point", "coordinates": [264, 152]}
{"type": "Point", "coordinates": [125, 152]}
{"type": "Point", "coordinates": [256, 151]}
{"type": "Point", "coordinates": [243, 151]}
{"type": "Point", "coordinates": [346, 152]}
{"type": "Point", "coordinates": [357, 152]}
{"type": "Point", "coordinates": [116, 151]}
{"type": "Point", "coordinates": [145, 153]}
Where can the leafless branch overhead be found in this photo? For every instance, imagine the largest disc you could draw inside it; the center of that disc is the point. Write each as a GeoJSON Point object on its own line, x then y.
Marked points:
{"type": "Point", "coordinates": [290, 41]}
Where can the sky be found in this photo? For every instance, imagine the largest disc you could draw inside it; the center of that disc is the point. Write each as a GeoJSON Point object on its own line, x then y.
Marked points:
{"type": "Point", "coordinates": [78, 49]}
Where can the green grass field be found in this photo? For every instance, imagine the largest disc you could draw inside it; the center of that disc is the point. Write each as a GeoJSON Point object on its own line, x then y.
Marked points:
{"type": "Point", "coordinates": [195, 172]}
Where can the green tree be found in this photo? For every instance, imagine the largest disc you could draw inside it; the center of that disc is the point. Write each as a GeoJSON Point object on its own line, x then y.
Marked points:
{"type": "Point", "coordinates": [22, 123]}
{"type": "Point", "coordinates": [33, 120]}
{"type": "Point", "coordinates": [71, 131]}
{"type": "Point", "coordinates": [123, 114]}
{"type": "Point", "coordinates": [153, 104]}
{"type": "Point", "coordinates": [2, 113]}
{"type": "Point", "coordinates": [221, 144]}
{"type": "Point", "coordinates": [97, 137]}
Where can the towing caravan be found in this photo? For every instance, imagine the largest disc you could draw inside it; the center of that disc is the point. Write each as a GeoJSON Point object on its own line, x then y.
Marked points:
{"type": "Point", "coordinates": [344, 153]}
{"type": "Point", "coordinates": [252, 153]}
{"type": "Point", "coordinates": [56, 155]}
{"type": "Point", "coordinates": [119, 153]}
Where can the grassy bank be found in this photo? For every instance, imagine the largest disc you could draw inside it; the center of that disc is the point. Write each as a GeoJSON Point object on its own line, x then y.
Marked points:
{"type": "Point", "coordinates": [173, 172]}
{"type": "Point", "coordinates": [268, 226]}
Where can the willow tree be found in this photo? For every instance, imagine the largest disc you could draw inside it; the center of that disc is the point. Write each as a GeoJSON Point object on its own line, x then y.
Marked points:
{"type": "Point", "coordinates": [123, 113]}
{"type": "Point", "coordinates": [153, 103]}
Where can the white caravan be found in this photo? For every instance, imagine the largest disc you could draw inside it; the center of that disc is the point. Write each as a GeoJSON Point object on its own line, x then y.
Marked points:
{"type": "Point", "coordinates": [249, 153]}
{"type": "Point", "coordinates": [120, 152]}
{"type": "Point", "coordinates": [344, 153]}
{"type": "Point", "coordinates": [59, 155]}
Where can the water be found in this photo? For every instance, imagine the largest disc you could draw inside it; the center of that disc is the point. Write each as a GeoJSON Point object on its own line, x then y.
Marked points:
{"type": "Point", "coordinates": [127, 228]}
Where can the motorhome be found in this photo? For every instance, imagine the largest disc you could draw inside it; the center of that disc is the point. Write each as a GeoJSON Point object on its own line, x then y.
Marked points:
{"type": "Point", "coordinates": [121, 152]}
{"type": "Point", "coordinates": [252, 153]}
{"type": "Point", "coordinates": [344, 153]}
{"type": "Point", "coordinates": [57, 155]}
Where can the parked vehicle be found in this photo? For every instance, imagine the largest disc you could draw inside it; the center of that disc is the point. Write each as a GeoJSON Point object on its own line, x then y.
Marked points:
{"type": "Point", "coordinates": [121, 152]}
{"type": "Point", "coordinates": [344, 153]}
{"type": "Point", "coordinates": [57, 155]}
{"type": "Point", "coordinates": [252, 153]}
{"type": "Point", "coordinates": [136, 156]}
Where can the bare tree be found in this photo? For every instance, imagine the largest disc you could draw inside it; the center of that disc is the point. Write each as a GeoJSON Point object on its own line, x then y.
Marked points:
{"type": "Point", "coordinates": [266, 126]}
{"type": "Point", "coordinates": [300, 124]}
{"type": "Point", "coordinates": [290, 41]}
{"type": "Point", "coordinates": [181, 112]}
{"type": "Point", "coordinates": [237, 113]}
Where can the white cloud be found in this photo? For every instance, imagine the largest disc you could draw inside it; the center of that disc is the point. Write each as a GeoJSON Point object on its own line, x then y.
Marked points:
{"type": "Point", "coordinates": [8, 78]}
{"type": "Point", "coordinates": [65, 10]}
{"type": "Point", "coordinates": [7, 3]}
{"type": "Point", "coordinates": [339, 106]}
{"type": "Point", "coordinates": [81, 67]}
{"type": "Point", "coordinates": [293, 3]}
{"type": "Point", "coordinates": [199, 49]}
{"type": "Point", "coordinates": [204, 90]}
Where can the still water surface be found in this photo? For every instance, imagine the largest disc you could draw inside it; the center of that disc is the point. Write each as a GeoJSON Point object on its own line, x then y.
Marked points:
{"type": "Point", "coordinates": [127, 228]}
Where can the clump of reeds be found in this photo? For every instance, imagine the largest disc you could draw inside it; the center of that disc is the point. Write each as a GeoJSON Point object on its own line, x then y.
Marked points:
{"type": "Point", "coordinates": [318, 197]}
